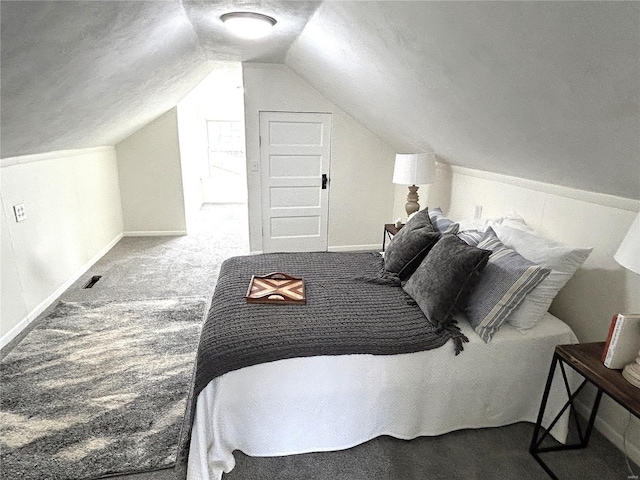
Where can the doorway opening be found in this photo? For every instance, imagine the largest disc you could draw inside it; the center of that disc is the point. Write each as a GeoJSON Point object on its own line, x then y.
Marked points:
{"type": "Point", "coordinates": [226, 179]}
{"type": "Point", "coordinates": [212, 149]}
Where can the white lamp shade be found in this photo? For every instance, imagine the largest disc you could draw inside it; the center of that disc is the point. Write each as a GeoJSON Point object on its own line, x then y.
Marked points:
{"type": "Point", "coordinates": [628, 254]}
{"type": "Point", "coordinates": [414, 168]}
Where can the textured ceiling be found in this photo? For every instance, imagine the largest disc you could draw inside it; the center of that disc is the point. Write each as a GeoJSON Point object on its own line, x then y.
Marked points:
{"type": "Point", "coordinates": [78, 74]}
{"type": "Point", "coordinates": [86, 74]}
{"type": "Point", "coordinates": [548, 91]}
{"type": "Point", "coordinates": [291, 16]}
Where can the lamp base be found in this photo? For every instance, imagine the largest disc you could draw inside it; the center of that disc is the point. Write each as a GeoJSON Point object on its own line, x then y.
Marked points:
{"type": "Point", "coordinates": [631, 372]}
{"type": "Point", "coordinates": [412, 204]}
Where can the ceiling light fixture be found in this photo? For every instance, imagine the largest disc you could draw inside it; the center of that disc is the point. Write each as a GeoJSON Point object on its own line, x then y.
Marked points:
{"type": "Point", "coordinates": [248, 25]}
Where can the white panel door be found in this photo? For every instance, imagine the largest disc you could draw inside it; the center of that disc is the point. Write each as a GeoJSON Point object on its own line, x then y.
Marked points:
{"type": "Point", "coordinates": [295, 153]}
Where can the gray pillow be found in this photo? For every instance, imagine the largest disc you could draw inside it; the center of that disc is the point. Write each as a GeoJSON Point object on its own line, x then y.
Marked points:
{"type": "Point", "coordinates": [503, 285]}
{"type": "Point", "coordinates": [444, 279]}
{"type": "Point", "coordinates": [410, 245]}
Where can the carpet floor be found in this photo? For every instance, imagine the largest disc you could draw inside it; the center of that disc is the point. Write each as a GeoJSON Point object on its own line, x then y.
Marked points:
{"type": "Point", "coordinates": [136, 270]}
{"type": "Point", "coordinates": [98, 388]}
{"type": "Point", "coordinates": [500, 453]}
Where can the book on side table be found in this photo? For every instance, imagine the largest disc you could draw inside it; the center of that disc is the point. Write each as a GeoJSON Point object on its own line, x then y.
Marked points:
{"type": "Point", "coordinates": [623, 341]}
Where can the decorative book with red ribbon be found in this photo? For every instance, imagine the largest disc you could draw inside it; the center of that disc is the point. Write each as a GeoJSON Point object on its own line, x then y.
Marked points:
{"type": "Point", "coordinates": [624, 345]}
{"type": "Point", "coordinates": [276, 288]}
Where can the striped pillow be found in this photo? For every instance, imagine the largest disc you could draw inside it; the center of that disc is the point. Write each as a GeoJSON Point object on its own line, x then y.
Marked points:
{"type": "Point", "coordinates": [442, 223]}
{"type": "Point", "coordinates": [503, 285]}
{"type": "Point", "coordinates": [471, 237]}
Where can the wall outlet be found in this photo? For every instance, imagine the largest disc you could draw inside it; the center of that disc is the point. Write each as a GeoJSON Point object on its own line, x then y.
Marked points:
{"type": "Point", "coordinates": [478, 213]}
{"type": "Point", "coordinates": [20, 212]}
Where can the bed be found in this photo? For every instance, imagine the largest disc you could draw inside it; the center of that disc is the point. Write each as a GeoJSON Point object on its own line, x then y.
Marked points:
{"type": "Point", "coordinates": [364, 357]}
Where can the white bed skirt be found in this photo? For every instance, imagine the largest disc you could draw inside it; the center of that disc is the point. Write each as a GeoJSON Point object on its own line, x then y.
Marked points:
{"type": "Point", "coordinates": [329, 403]}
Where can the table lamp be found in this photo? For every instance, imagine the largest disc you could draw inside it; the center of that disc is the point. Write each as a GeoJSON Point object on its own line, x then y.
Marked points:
{"type": "Point", "coordinates": [628, 255]}
{"type": "Point", "coordinates": [414, 169]}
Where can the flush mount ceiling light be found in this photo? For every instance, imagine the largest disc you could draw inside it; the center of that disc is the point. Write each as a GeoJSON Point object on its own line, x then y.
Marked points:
{"type": "Point", "coordinates": [249, 25]}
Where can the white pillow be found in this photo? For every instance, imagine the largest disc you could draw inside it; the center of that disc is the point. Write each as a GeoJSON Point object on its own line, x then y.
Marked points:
{"type": "Point", "coordinates": [482, 225]}
{"type": "Point", "coordinates": [562, 260]}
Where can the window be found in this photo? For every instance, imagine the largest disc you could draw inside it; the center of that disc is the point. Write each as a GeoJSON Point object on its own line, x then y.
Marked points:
{"type": "Point", "coordinates": [226, 147]}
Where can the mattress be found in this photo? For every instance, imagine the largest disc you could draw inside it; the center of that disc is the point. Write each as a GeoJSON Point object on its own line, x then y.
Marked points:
{"type": "Point", "coordinates": [326, 403]}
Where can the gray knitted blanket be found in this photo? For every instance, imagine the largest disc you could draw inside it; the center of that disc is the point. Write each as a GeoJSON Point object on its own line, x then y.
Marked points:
{"type": "Point", "coordinates": [351, 309]}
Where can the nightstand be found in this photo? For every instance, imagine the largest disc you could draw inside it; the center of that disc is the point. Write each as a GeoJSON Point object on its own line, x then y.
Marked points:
{"type": "Point", "coordinates": [390, 231]}
{"type": "Point", "coordinates": [584, 358]}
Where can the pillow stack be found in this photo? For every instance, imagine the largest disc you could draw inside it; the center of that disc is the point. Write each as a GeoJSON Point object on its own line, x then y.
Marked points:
{"type": "Point", "coordinates": [438, 271]}
{"type": "Point", "coordinates": [503, 273]}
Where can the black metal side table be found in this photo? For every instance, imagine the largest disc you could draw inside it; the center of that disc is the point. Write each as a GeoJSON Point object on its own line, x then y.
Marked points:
{"type": "Point", "coordinates": [584, 358]}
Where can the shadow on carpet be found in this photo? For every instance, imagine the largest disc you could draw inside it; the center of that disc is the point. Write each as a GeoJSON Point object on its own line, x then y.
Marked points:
{"type": "Point", "coordinates": [98, 388]}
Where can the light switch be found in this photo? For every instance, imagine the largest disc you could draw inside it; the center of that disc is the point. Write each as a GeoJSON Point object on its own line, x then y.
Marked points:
{"type": "Point", "coordinates": [20, 212]}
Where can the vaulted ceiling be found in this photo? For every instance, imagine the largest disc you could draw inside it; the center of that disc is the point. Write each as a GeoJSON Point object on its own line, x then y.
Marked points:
{"type": "Point", "coordinates": [548, 91]}
{"type": "Point", "coordinates": [78, 74]}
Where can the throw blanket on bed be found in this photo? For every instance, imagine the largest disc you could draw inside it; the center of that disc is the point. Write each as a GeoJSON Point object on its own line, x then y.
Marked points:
{"type": "Point", "coordinates": [351, 309]}
{"type": "Point", "coordinates": [348, 311]}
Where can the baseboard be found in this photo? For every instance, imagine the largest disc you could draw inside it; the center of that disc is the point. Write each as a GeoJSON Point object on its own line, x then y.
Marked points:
{"type": "Point", "coordinates": [31, 316]}
{"type": "Point", "coordinates": [356, 248]}
{"type": "Point", "coordinates": [610, 433]}
{"type": "Point", "coordinates": [157, 233]}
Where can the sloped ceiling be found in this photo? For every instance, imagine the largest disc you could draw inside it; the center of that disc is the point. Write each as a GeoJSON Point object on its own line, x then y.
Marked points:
{"type": "Point", "coordinates": [86, 74]}
{"type": "Point", "coordinates": [548, 91]}
{"type": "Point", "coordinates": [78, 74]}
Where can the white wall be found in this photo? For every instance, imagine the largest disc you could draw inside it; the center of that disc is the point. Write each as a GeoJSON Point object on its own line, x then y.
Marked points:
{"type": "Point", "coordinates": [576, 218]}
{"type": "Point", "coordinates": [361, 193]}
{"type": "Point", "coordinates": [150, 173]}
{"type": "Point", "coordinates": [74, 216]}
{"type": "Point", "coordinates": [192, 134]}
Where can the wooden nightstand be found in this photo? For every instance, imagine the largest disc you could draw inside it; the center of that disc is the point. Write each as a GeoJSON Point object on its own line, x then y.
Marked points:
{"type": "Point", "coordinates": [390, 230]}
{"type": "Point", "coordinates": [584, 358]}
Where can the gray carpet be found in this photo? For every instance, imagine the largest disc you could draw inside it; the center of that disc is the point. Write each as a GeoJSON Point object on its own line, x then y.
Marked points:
{"type": "Point", "coordinates": [485, 454]}
{"type": "Point", "coordinates": [163, 267]}
{"type": "Point", "coordinates": [98, 388]}
{"type": "Point", "coordinates": [136, 269]}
